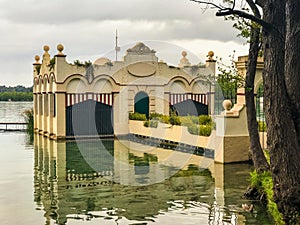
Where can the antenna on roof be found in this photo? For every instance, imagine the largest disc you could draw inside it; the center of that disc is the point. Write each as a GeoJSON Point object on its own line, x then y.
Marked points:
{"type": "Point", "coordinates": [117, 48]}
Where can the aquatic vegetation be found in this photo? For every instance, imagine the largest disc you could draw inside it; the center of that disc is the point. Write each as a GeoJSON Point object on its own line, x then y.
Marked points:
{"type": "Point", "coordinates": [264, 185]}
{"type": "Point", "coordinates": [29, 119]}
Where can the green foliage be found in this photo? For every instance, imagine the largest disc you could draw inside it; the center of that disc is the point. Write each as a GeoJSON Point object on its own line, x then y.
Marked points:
{"type": "Point", "coordinates": [229, 79]}
{"type": "Point", "coordinates": [137, 116]}
{"type": "Point", "coordinates": [188, 120]}
{"type": "Point", "coordinates": [205, 120]}
{"type": "Point", "coordinates": [174, 120]}
{"type": "Point", "coordinates": [205, 130]}
{"type": "Point", "coordinates": [264, 184]}
{"type": "Point", "coordinates": [197, 125]}
{"type": "Point", "coordinates": [160, 117]}
{"type": "Point", "coordinates": [193, 129]}
{"type": "Point", "coordinates": [165, 119]}
{"type": "Point", "coordinates": [18, 88]}
{"type": "Point", "coordinates": [16, 96]}
{"type": "Point", "coordinates": [155, 116]}
{"type": "Point", "coordinates": [28, 116]}
{"type": "Point", "coordinates": [202, 130]}
{"type": "Point", "coordinates": [262, 126]}
{"type": "Point", "coordinates": [38, 68]}
{"type": "Point", "coordinates": [151, 123]}
{"type": "Point", "coordinates": [85, 64]}
{"type": "Point", "coordinates": [51, 64]}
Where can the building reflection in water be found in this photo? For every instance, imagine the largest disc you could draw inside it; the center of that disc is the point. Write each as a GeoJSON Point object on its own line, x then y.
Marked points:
{"type": "Point", "coordinates": [106, 180]}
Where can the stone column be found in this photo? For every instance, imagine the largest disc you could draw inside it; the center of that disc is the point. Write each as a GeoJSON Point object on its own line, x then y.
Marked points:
{"type": "Point", "coordinates": [60, 116]}
{"type": "Point", "coordinates": [232, 134]}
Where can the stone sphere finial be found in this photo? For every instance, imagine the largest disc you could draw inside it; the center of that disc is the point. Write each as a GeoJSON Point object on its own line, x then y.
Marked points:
{"type": "Point", "coordinates": [227, 104]}
{"type": "Point", "coordinates": [46, 48]}
{"type": "Point", "coordinates": [184, 53]}
{"type": "Point", "coordinates": [37, 58]}
{"type": "Point", "coordinates": [210, 55]}
{"type": "Point", "coordinates": [60, 48]}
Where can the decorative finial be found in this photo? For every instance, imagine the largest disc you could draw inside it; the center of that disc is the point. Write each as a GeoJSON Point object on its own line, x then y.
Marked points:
{"type": "Point", "coordinates": [227, 104]}
{"type": "Point", "coordinates": [46, 48]}
{"type": "Point", "coordinates": [60, 48]}
{"type": "Point", "coordinates": [37, 59]}
{"type": "Point", "coordinates": [210, 55]}
{"type": "Point", "coordinates": [184, 61]}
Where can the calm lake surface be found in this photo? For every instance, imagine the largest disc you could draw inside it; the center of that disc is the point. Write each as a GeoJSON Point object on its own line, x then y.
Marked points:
{"type": "Point", "coordinates": [115, 182]}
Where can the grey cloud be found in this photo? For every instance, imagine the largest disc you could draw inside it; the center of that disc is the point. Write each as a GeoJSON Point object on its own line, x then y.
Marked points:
{"type": "Point", "coordinates": [69, 11]}
{"type": "Point", "coordinates": [87, 28]}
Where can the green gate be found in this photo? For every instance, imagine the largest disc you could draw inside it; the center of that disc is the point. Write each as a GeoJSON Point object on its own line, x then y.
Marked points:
{"type": "Point", "coordinates": [141, 103]}
{"type": "Point", "coordinates": [260, 115]}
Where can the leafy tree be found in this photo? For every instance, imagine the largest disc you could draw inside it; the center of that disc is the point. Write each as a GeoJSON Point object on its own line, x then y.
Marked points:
{"type": "Point", "coordinates": [281, 50]}
{"type": "Point", "coordinates": [229, 80]}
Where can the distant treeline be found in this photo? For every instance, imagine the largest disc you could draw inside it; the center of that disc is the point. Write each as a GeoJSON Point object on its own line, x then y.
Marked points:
{"type": "Point", "coordinates": [18, 88]}
{"type": "Point", "coordinates": [17, 93]}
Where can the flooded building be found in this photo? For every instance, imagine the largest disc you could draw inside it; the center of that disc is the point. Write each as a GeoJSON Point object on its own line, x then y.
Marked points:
{"type": "Point", "coordinates": [94, 99]}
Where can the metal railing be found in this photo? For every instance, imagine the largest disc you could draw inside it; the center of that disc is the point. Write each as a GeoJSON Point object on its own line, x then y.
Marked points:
{"type": "Point", "coordinates": [13, 126]}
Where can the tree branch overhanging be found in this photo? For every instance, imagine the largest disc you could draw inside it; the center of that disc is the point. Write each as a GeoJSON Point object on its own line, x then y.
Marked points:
{"type": "Point", "coordinates": [225, 11]}
{"type": "Point", "coordinates": [208, 3]}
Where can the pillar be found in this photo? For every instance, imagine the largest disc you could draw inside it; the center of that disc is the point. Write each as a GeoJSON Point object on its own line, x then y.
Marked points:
{"type": "Point", "coordinates": [232, 134]}
{"type": "Point", "coordinates": [59, 125]}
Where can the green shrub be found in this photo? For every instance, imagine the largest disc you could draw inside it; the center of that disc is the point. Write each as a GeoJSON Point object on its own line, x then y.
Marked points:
{"type": "Point", "coordinates": [137, 116]}
{"type": "Point", "coordinates": [193, 129]}
{"type": "Point", "coordinates": [194, 119]}
{"type": "Point", "coordinates": [146, 123]}
{"type": "Point", "coordinates": [174, 120]}
{"type": "Point", "coordinates": [202, 130]}
{"type": "Point", "coordinates": [155, 115]}
{"type": "Point", "coordinates": [151, 123]}
{"type": "Point", "coordinates": [164, 119]}
{"type": "Point", "coordinates": [186, 121]}
{"type": "Point", "coordinates": [205, 120]}
{"type": "Point", "coordinates": [205, 130]}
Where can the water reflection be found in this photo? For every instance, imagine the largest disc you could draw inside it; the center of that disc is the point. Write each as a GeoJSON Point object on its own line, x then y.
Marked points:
{"type": "Point", "coordinates": [113, 184]}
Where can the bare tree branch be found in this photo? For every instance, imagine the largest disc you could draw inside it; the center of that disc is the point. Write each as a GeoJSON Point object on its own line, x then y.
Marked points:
{"type": "Point", "coordinates": [254, 8]}
{"type": "Point", "coordinates": [245, 15]}
{"type": "Point", "coordinates": [224, 11]}
{"type": "Point", "coordinates": [260, 3]}
{"type": "Point", "coordinates": [209, 3]}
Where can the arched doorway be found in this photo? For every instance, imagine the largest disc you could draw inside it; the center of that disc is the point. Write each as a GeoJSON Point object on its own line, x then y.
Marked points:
{"type": "Point", "coordinates": [141, 103]}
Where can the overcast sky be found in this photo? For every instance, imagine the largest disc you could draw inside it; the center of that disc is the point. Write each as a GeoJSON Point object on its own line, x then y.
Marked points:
{"type": "Point", "coordinates": [87, 31]}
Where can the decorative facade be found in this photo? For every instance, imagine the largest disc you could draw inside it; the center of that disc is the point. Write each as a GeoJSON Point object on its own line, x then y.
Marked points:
{"type": "Point", "coordinates": [92, 99]}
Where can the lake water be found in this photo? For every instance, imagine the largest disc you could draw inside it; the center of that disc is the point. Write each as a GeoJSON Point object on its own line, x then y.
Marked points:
{"type": "Point", "coordinates": [115, 182]}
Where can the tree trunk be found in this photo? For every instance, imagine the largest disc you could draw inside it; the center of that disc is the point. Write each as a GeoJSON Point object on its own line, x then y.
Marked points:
{"type": "Point", "coordinates": [258, 157]}
{"type": "Point", "coordinates": [282, 133]}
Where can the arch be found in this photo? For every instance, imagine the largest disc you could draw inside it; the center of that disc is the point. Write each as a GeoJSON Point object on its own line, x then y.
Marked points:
{"type": "Point", "coordinates": [51, 82]}
{"type": "Point", "coordinates": [103, 85]}
{"type": "Point", "coordinates": [45, 83]}
{"type": "Point", "coordinates": [175, 79]}
{"type": "Point", "coordinates": [141, 103]}
{"type": "Point", "coordinates": [40, 83]}
{"type": "Point", "coordinates": [199, 86]}
{"type": "Point", "coordinates": [76, 85]}
{"type": "Point", "coordinates": [178, 87]}
{"type": "Point", "coordinates": [257, 85]}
